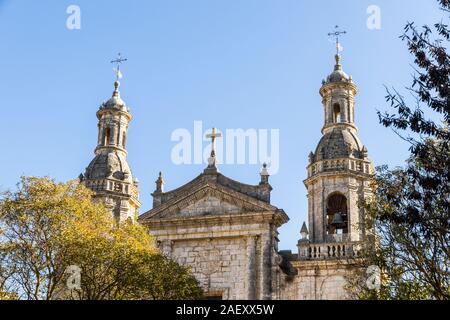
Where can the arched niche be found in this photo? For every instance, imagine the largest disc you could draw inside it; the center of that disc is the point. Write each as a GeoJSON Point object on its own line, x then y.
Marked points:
{"type": "Point", "coordinates": [337, 211]}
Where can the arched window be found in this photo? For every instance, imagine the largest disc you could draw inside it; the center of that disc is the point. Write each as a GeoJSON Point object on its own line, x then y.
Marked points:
{"type": "Point", "coordinates": [336, 113]}
{"type": "Point", "coordinates": [337, 214]}
{"type": "Point", "coordinates": [124, 139]}
{"type": "Point", "coordinates": [107, 138]}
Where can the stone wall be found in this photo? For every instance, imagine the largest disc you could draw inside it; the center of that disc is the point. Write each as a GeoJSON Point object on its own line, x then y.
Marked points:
{"type": "Point", "coordinates": [318, 280]}
{"type": "Point", "coordinates": [220, 265]}
{"type": "Point", "coordinates": [232, 261]}
{"type": "Point", "coordinates": [233, 257]}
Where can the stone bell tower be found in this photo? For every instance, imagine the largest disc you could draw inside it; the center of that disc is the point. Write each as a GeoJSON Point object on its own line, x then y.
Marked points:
{"type": "Point", "coordinates": [339, 172]}
{"type": "Point", "coordinates": [109, 174]}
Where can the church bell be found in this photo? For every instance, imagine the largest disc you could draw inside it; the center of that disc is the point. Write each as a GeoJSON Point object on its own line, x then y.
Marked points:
{"type": "Point", "coordinates": [338, 221]}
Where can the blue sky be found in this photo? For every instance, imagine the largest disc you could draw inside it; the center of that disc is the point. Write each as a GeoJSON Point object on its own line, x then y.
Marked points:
{"type": "Point", "coordinates": [231, 64]}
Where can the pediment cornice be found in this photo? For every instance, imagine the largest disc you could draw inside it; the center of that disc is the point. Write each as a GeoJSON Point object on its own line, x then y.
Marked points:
{"type": "Point", "coordinates": [200, 191]}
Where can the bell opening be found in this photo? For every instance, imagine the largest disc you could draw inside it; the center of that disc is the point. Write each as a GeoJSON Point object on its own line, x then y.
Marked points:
{"type": "Point", "coordinates": [337, 221]}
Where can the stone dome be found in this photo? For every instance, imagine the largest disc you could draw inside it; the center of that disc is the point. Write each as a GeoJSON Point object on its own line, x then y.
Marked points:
{"type": "Point", "coordinates": [109, 165]}
{"type": "Point", "coordinates": [115, 102]}
{"type": "Point", "coordinates": [339, 143]}
{"type": "Point", "coordinates": [338, 75]}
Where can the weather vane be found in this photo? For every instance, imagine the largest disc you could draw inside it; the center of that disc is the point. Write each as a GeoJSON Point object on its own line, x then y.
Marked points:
{"type": "Point", "coordinates": [118, 62]}
{"type": "Point", "coordinates": [336, 33]}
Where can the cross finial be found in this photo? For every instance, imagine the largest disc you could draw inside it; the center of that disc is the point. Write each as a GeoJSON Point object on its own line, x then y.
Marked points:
{"type": "Point", "coordinates": [213, 136]}
{"type": "Point", "coordinates": [118, 62]}
{"type": "Point", "coordinates": [336, 33]}
{"type": "Point", "coordinates": [212, 159]}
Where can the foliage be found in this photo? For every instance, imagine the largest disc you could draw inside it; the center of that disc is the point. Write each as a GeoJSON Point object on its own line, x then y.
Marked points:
{"type": "Point", "coordinates": [410, 210]}
{"type": "Point", "coordinates": [413, 257]}
{"type": "Point", "coordinates": [171, 281]}
{"type": "Point", "coordinates": [47, 227]}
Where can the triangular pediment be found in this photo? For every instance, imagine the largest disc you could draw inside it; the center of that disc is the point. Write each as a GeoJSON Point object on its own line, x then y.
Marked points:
{"type": "Point", "coordinates": [209, 205]}
{"type": "Point", "coordinates": [207, 200]}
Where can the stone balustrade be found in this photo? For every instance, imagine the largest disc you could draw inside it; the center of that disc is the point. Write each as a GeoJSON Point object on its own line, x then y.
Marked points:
{"type": "Point", "coordinates": [329, 250]}
{"type": "Point", "coordinates": [110, 185]}
{"type": "Point", "coordinates": [345, 164]}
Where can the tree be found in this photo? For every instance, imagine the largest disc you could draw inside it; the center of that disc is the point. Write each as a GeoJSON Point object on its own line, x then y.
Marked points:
{"type": "Point", "coordinates": [160, 278]}
{"type": "Point", "coordinates": [414, 262]}
{"type": "Point", "coordinates": [49, 228]}
{"type": "Point", "coordinates": [410, 210]}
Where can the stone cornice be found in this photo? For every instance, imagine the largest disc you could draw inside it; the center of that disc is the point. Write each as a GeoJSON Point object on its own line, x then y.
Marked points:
{"type": "Point", "coordinates": [135, 202]}
{"type": "Point", "coordinates": [277, 217]}
{"type": "Point", "coordinates": [322, 264]}
{"type": "Point", "coordinates": [103, 111]}
{"type": "Point", "coordinates": [259, 191]}
{"type": "Point", "coordinates": [342, 125]}
{"type": "Point", "coordinates": [339, 174]}
{"type": "Point", "coordinates": [200, 191]}
{"type": "Point", "coordinates": [110, 147]}
{"type": "Point", "coordinates": [330, 86]}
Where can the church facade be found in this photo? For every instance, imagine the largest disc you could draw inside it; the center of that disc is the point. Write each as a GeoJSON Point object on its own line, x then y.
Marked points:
{"type": "Point", "coordinates": [227, 231]}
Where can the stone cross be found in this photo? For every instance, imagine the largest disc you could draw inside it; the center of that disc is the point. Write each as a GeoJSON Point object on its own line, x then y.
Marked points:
{"type": "Point", "coordinates": [213, 137]}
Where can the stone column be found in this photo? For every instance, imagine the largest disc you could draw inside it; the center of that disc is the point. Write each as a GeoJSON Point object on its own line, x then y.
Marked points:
{"type": "Point", "coordinates": [329, 112]}
{"type": "Point", "coordinates": [317, 209]}
{"type": "Point", "coordinates": [344, 110]}
{"type": "Point", "coordinates": [251, 267]}
{"type": "Point", "coordinates": [266, 264]}
{"type": "Point", "coordinates": [353, 213]}
{"type": "Point", "coordinates": [100, 134]}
